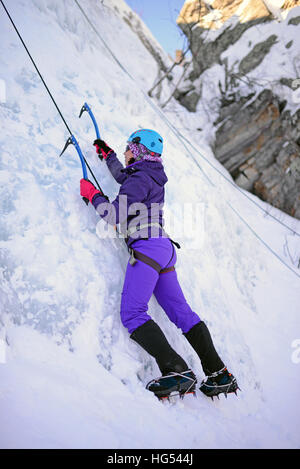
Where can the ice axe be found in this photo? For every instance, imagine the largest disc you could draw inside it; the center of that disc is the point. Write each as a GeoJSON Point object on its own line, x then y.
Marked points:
{"type": "Point", "coordinates": [72, 141]}
{"type": "Point", "coordinates": [87, 108]}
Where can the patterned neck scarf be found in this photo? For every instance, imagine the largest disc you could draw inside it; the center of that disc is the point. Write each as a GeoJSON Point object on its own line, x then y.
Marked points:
{"type": "Point", "coordinates": [140, 152]}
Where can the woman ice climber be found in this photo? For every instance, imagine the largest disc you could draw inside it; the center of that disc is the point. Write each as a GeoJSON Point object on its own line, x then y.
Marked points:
{"type": "Point", "coordinates": [151, 268]}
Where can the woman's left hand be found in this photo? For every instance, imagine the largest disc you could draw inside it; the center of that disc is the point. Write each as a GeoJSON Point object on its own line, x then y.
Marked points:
{"type": "Point", "coordinates": [88, 190]}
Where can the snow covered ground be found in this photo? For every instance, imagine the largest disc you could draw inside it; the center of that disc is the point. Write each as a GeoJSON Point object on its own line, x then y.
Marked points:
{"type": "Point", "coordinates": [69, 375]}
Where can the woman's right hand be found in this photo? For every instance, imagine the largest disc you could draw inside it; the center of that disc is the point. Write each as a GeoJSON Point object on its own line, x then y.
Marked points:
{"type": "Point", "coordinates": [102, 149]}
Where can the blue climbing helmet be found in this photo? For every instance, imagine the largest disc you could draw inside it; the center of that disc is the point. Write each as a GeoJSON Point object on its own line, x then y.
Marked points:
{"type": "Point", "coordinates": [149, 138]}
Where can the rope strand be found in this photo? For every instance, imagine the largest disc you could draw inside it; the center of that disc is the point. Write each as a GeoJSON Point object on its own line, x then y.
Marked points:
{"type": "Point", "coordinates": [45, 85]}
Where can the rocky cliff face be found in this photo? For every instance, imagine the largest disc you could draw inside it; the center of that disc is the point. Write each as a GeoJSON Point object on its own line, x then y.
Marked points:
{"type": "Point", "coordinates": [139, 29]}
{"type": "Point", "coordinates": [260, 145]}
{"type": "Point", "coordinates": [253, 48]}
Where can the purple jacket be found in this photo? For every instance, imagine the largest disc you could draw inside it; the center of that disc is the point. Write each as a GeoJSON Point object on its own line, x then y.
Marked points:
{"type": "Point", "coordinates": [143, 184]}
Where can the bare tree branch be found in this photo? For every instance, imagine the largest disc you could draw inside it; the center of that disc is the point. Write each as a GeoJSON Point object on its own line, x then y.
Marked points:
{"type": "Point", "coordinates": [168, 72]}
{"type": "Point", "coordinates": [176, 86]}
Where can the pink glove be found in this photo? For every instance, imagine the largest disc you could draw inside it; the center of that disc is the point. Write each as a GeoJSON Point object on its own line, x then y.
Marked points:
{"type": "Point", "coordinates": [88, 190]}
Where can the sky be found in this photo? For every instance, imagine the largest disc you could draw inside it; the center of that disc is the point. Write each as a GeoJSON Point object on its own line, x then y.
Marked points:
{"type": "Point", "coordinates": [160, 17]}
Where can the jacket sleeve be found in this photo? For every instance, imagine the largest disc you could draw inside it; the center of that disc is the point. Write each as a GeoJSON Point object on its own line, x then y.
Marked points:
{"type": "Point", "coordinates": [135, 189]}
{"type": "Point", "coordinates": [115, 167]}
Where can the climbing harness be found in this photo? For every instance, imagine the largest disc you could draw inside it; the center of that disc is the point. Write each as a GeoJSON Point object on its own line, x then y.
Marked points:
{"type": "Point", "coordinates": [136, 255]}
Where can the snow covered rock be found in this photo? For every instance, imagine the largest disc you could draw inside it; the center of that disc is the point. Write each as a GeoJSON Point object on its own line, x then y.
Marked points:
{"type": "Point", "coordinates": [249, 54]}
{"type": "Point", "coordinates": [258, 142]}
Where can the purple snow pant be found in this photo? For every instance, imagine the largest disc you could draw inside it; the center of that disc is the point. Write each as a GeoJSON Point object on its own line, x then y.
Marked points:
{"type": "Point", "coordinates": [141, 281]}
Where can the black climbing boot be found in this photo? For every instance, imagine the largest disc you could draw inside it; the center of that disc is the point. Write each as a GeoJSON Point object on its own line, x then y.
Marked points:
{"type": "Point", "coordinates": [221, 382]}
{"type": "Point", "coordinates": [218, 380]}
{"type": "Point", "coordinates": [152, 339]}
{"type": "Point", "coordinates": [200, 339]}
{"type": "Point", "coordinates": [178, 384]}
